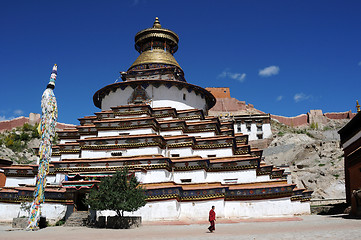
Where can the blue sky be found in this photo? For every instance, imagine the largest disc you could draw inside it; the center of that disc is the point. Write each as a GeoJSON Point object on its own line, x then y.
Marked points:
{"type": "Point", "coordinates": [285, 57]}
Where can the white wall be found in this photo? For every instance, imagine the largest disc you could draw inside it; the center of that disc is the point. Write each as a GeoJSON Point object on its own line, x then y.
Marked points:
{"type": "Point", "coordinates": [263, 178]}
{"type": "Point", "coordinates": [53, 159]}
{"type": "Point", "coordinates": [62, 141]}
{"type": "Point", "coordinates": [106, 133]}
{"type": "Point", "coordinates": [183, 152]}
{"type": "Point", "coordinates": [8, 211]}
{"type": "Point", "coordinates": [55, 179]}
{"type": "Point", "coordinates": [219, 152]}
{"type": "Point", "coordinates": [69, 155]}
{"type": "Point", "coordinates": [199, 210]}
{"type": "Point", "coordinates": [261, 208]}
{"type": "Point", "coordinates": [200, 176]}
{"type": "Point", "coordinates": [242, 176]}
{"type": "Point", "coordinates": [152, 211]}
{"type": "Point", "coordinates": [197, 176]}
{"type": "Point", "coordinates": [15, 181]}
{"type": "Point", "coordinates": [161, 97]}
{"type": "Point", "coordinates": [153, 176]}
{"type": "Point", "coordinates": [142, 151]}
{"type": "Point", "coordinates": [87, 136]}
{"type": "Point", "coordinates": [86, 153]}
{"type": "Point", "coordinates": [131, 116]}
{"type": "Point", "coordinates": [52, 211]}
{"type": "Point", "coordinates": [51, 179]}
{"type": "Point", "coordinates": [202, 134]}
{"type": "Point", "coordinates": [302, 207]}
{"type": "Point", "coordinates": [165, 118]}
{"type": "Point", "coordinates": [266, 130]}
{"type": "Point", "coordinates": [171, 133]}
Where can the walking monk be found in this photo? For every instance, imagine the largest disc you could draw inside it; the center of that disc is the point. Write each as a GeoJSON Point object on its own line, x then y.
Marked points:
{"type": "Point", "coordinates": [212, 218]}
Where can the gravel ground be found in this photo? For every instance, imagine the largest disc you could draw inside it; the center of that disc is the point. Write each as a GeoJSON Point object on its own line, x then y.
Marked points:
{"type": "Point", "coordinates": [304, 227]}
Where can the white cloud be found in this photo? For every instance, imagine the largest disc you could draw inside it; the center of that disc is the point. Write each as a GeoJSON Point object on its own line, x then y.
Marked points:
{"type": "Point", "coordinates": [18, 112]}
{"type": "Point", "coordinates": [3, 118]}
{"type": "Point", "coordinates": [13, 114]}
{"type": "Point", "coordinates": [300, 97]}
{"type": "Point", "coordinates": [236, 76]}
{"type": "Point", "coordinates": [269, 71]}
{"type": "Point", "coordinates": [279, 98]}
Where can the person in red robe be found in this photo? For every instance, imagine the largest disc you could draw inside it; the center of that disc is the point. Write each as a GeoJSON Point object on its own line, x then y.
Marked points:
{"type": "Point", "coordinates": [212, 218]}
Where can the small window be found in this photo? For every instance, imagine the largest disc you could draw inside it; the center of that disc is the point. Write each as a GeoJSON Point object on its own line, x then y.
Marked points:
{"type": "Point", "coordinates": [259, 128]}
{"type": "Point", "coordinates": [174, 155]}
{"type": "Point", "coordinates": [260, 136]}
{"type": "Point", "coordinates": [117, 153]}
{"type": "Point", "coordinates": [186, 180]}
{"type": "Point", "coordinates": [184, 96]}
{"type": "Point", "coordinates": [230, 180]}
{"type": "Point", "coordinates": [212, 155]}
{"type": "Point", "coordinates": [239, 128]}
{"type": "Point", "coordinates": [248, 126]}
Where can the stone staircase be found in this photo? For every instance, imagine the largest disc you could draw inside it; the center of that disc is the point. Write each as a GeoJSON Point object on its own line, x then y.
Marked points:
{"type": "Point", "coordinates": [77, 219]}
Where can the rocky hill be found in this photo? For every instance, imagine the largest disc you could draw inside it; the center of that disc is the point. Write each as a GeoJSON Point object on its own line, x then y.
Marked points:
{"type": "Point", "coordinates": [19, 136]}
{"type": "Point", "coordinates": [17, 145]}
{"type": "Point", "coordinates": [313, 155]}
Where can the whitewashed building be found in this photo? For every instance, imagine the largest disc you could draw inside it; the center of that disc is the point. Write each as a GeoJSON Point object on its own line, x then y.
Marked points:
{"type": "Point", "coordinates": [156, 124]}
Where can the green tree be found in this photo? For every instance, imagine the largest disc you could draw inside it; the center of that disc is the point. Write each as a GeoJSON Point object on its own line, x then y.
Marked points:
{"type": "Point", "coordinates": [120, 193]}
{"type": "Point", "coordinates": [27, 127]}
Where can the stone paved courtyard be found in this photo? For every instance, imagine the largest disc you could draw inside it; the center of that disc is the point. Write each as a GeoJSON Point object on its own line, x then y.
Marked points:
{"type": "Point", "coordinates": [303, 227]}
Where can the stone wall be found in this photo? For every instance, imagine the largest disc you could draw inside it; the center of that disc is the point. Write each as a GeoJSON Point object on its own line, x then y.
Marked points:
{"type": "Point", "coordinates": [2, 179]}
{"type": "Point", "coordinates": [314, 116]}
{"type": "Point", "coordinates": [292, 121]}
{"type": "Point", "coordinates": [340, 115]}
{"type": "Point", "coordinates": [33, 119]}
{"type": "Point", "coordinates": [13, 123]}
{"type": "Point", "coordinates": [220, 92]}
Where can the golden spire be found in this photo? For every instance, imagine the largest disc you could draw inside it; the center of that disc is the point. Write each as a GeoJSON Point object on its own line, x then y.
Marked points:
{"type": "Point", "coordinates": [358, 106]}
{"type": "Point", "coordinates": [156, 23]}
{"type": "Point", "coordinates": [156, 45]}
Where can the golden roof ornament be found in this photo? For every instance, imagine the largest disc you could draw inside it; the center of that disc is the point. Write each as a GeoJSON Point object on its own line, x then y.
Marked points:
{"type": "Point", "coordinates": [156, 45]}
{"type": "Point", "coordinates": [358, 106]}
{"type": "Point", "coordinates": [156, 23]}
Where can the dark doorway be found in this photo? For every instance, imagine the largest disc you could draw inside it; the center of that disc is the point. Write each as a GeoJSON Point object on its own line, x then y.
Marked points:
{"type": "Point", "coordinates": [79, 201]}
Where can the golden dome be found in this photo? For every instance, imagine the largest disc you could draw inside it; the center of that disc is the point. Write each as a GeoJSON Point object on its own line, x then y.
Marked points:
{"type": "Point", "coordinates": [155, 56]}
{"type": "Point", "coordinates": [156, 45]}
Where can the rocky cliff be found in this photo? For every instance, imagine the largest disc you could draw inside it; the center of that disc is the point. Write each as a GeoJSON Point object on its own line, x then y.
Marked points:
{"type": "Point", "coordinates": [313, 155]}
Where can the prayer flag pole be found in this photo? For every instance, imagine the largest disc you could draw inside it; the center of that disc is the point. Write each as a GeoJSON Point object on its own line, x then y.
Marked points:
{"type": "Point", "coordinates": [46, 128]}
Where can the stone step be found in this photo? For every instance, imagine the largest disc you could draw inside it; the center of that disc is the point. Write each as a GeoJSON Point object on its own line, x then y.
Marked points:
{"type": "Point", "coordinates": [77, 219]}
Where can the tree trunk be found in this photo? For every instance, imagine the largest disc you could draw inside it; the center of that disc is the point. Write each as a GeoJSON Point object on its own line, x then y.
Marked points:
{"type": "Point", "coordinates": [119, 214]}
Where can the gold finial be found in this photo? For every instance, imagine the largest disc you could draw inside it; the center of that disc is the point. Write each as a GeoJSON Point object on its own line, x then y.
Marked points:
{"type": "Point", "coordinates": [156, 23]}
{"type": "Point", "coordinates": [358, 106]}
